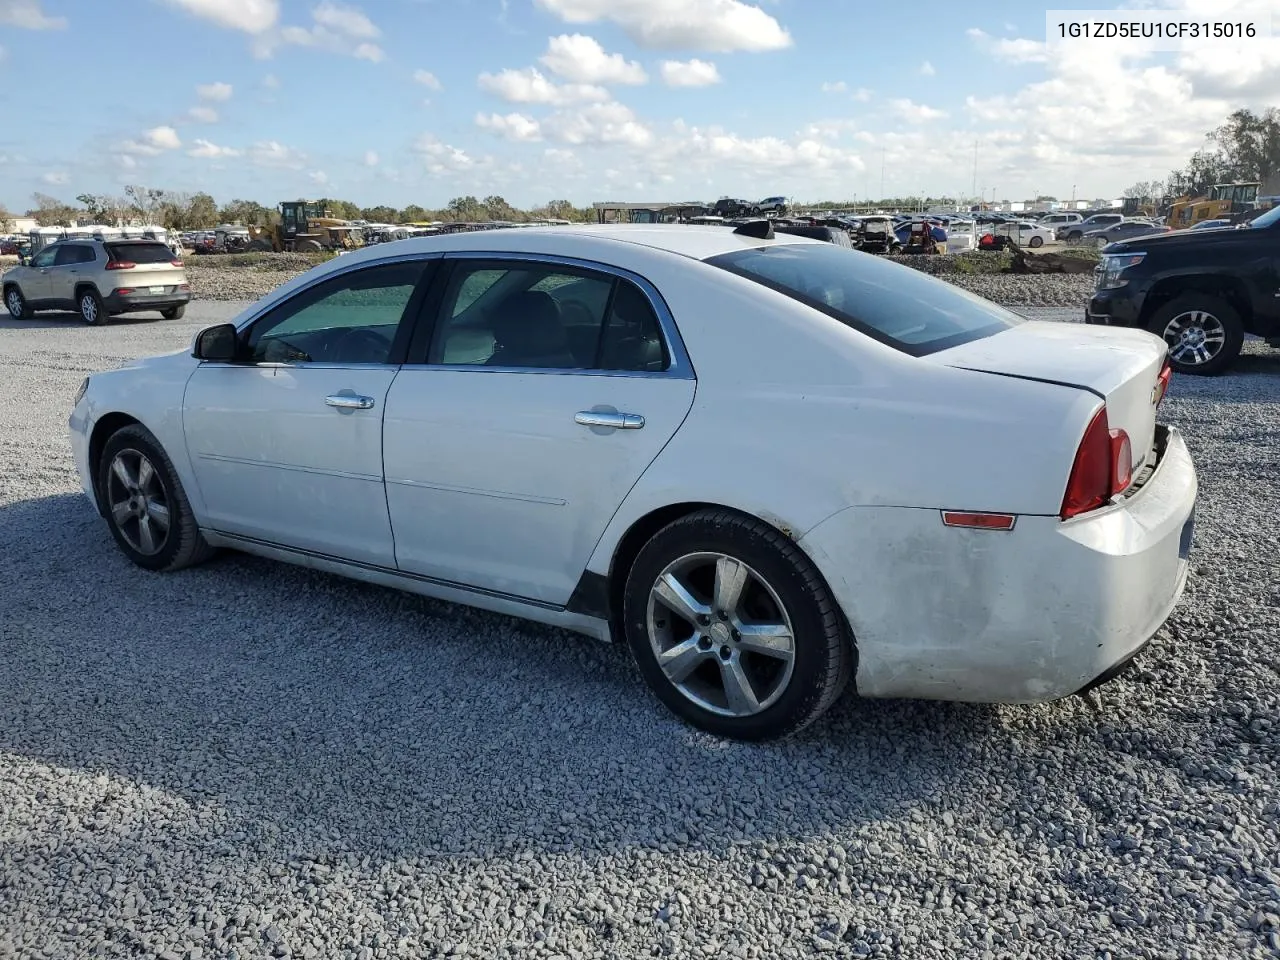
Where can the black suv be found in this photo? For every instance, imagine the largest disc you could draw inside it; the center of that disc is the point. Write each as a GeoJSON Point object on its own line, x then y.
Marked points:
{"type": "Point", "coordinates": [1202, 290]}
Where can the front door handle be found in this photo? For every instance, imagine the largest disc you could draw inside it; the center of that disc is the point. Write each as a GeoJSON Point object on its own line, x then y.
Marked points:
{"type": "Point", "coordinates": [599, 418]}
{"type": "Point", "coordinates": [349, 401]}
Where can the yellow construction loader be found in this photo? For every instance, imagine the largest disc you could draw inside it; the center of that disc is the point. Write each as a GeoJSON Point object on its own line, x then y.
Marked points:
{"type": "Point", "coordinates": [305, 225]}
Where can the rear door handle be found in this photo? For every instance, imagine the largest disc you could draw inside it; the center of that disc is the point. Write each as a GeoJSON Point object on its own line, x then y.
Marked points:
{"type": "Point", "coordinates": [349, 401]}
{"type": "Point", "coordinates": [619, 421]}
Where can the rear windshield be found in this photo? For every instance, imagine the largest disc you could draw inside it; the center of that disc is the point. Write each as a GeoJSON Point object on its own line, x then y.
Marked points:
{"type": "Point", "coordinates": [140, 252]}
{"type": "Point", "coordinates": [897, 305]}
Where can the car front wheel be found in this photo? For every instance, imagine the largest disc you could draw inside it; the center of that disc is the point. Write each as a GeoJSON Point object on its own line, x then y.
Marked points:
{"type": "Point", "coordinates": [1037, 242]}
{"type": "Point", "coordinates": [1205, 333]}
{"type": "Point", "coordinates": [733, 627]}
{"type": "Point", "coordinates": [146, 506]}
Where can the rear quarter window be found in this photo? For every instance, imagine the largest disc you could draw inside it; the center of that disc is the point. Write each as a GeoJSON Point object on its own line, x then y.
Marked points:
{"type": "Point", "coordinates": [897, 305]}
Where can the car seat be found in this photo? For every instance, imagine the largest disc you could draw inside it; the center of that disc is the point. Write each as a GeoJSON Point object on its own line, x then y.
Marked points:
{"type": "Point", "coordinates": [528, 332]}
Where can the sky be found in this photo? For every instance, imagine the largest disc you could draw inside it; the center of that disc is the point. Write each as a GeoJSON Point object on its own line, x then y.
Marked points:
{"type": "Point", "coordinates": [418, 101]}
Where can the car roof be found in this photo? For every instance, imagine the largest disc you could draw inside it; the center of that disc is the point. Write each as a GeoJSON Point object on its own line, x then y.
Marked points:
{"type": "Point", "coordinates": [688, 240]}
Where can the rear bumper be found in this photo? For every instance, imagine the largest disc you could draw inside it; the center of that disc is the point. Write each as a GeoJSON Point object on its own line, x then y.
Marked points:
{"type": "Point", "coordinates": [1024, 616]}
{"type": "Point", "coordinates": [127, 302]}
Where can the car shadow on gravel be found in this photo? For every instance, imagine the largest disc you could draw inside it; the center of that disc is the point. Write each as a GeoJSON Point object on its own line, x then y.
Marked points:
{"type": "Point", "coordinates": [355, 718]}
{"type": "Point", "coordinates": [48, 321]}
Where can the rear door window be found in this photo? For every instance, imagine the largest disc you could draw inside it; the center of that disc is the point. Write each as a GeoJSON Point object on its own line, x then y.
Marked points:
{"type": "Point", "coordinates": [72, 253]}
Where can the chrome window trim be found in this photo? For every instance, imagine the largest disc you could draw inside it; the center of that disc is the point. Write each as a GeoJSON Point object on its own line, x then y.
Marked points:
{"type": "Point", "coordinates": [276, 298]}
{"type": "Point", "coordinates": [680, 367]}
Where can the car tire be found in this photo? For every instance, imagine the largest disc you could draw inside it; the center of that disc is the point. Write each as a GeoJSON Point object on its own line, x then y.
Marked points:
{"type": "Point", "coordinates": [1196, 320]}
{"type": "Point", "coordinates": [1075, 236]}
{"type": "Point", "coordinates": [1035, 242]}
{"type": "Point", "coordinates": [308, 246]}
{"type": "Point", "coordinates": [92, 310]}
{"type": "Point", "coordinates": [146, 507]}
{"type": "Point", "coordinates": [16, 303]}
{"type": "Point", "coordinates": [719, 679]}
{"type": "Point", "coordinates": [174, 313]}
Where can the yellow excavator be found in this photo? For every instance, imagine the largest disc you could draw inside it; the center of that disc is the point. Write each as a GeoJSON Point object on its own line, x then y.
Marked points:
{"type": "Point", "coordinates": [1224, 200]}
{"type": "Point", "coordinates": [305, 225]}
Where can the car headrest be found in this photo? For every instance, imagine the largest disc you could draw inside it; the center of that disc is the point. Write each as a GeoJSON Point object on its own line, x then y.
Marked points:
{"type": "Point", "coordinates": [528, 323]}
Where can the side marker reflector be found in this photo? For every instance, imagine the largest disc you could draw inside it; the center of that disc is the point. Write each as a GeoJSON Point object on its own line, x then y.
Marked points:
{"type": "Point", "coordinates": [978, 521]}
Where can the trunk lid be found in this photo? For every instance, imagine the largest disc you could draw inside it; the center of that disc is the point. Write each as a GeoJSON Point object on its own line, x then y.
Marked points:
{"type": "Point", "coordinates": [153, 270]}
{"type": "Point", "coordinates": [1120, 366]}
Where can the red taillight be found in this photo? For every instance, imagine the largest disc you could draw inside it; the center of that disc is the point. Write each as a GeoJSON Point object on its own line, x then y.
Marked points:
{"type": "Point", "coordinates": [184, 288]}
{"type": "Point", "coordinates": [1103, 467]}
{"type": "Point", "coordinates": [1162, 381]}
{"type": "Point", "coordinates": [120, 265]}
{"type": "Point", "coordinates": [123, 290]}
{"type": "Point", "coordinates": [176, 262]}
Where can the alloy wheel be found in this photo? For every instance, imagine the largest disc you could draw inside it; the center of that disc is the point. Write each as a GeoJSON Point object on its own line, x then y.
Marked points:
{"type": "Point", "coordinates": [89, 308]}
{"type": "Point", "coordinates": [1195, 337]}
{"type": "Point", "coordinates": [138, 502]}
{"type": "Point", "coordinates": [14, 302]}
{"type": "Point", "coordinates": [720, 634]}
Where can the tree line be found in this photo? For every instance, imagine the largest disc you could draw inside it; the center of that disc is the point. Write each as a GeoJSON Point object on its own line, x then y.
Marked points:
{"type": "Point", "coordinates": [1244, 148]}
{"type": "Point", "coordinates": [176, 210]}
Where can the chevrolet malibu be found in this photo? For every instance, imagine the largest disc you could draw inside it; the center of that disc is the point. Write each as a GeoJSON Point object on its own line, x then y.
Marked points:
{"type": "Point", "coordinates": [769, 465]}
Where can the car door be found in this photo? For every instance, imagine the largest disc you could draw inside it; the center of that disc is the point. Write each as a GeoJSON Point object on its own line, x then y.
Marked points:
{"type": "Point", "coordinates": [511, 438]}
{"type": "Point", "coordinates": [72, 262]}
{"type": "Point", "coordinates": [34, 278]}
{"type": "Point", "coordinates": [286, 442]}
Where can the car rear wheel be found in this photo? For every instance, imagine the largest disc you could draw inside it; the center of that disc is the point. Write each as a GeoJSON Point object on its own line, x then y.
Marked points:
{"type": "Point", "coordinates": [1205, 333]}
{"type": "Point", "coordinates": [734, 629]}
{"type": "Point", "coordinates": [146, 507]}
{"type": "Point", "coordinates": [1037, 242]}
{"type": "Point", "coordinates": [16, 304]}
{"type": "Point", "coordinates": [92, 311]}
{"type": "Point", "coordinates": [174, 313]}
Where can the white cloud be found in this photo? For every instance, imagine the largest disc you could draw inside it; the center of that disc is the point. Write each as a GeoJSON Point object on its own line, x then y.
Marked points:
{"type": "Point", "coordinates": [927, 70]}
{"type": "Point", "coordinates": [249, 16]}
{"type": "Point", "coordinates": [206, 150]}
{"type": "Point", "coordinates": [337, 29]}
{"type": "Point", "coordinates": [716, 26]}
{"type": "Point", "coordinates": [1010, 50]}
{"type": "Point", "coordinates": [513, 126]}
{"type": "Point", "coordinates": [530, 86]}
{"type": "Point", "coordinates": [270, 153]}
{"type": "Point", "coordinates": [597, 123]}
{"type": "Point", "coordinates": [217, 92]}
{"type": "Point", "coordinates": [124, 161]}
{"type": "Point", "coordinates": [370, 158]}
{"type": "Point", "coordinates": [55, 177]}
{"type": "Point", "coordinates": [153, 142]}
{"type": "Point", "coordinates": [28, 15]}
{"type": "Point", "coordinates": [442, 157]}
{"type": "Point", "coordinates": [838, 87]}
{"type": "Point", "coordinates": [689, 73]}
{"type": "Point", "coordinates": [581, 59]}
{"type": "Point", "coordinates": [862, 94]}
{"type": "Point", "coordinates": [203, 114]}
{"type": "Point", "coordinates": [346, 20]}
{"type": "Point", "coordinates": [318, 177]}
{"type": "Point", "coordinates": [427, 79]}
{"type": "Point", "coordinates": [914, 112]}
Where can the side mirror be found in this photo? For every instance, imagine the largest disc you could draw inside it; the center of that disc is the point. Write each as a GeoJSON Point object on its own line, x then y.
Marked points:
{"type": "Point", "coordinates": [217, 343]}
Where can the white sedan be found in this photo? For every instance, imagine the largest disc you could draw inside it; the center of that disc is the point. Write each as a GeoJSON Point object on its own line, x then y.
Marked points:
{"type": "Point", "coordinates": [768, 464]}
{"type": "Point", "coordinates": [1026, 234]}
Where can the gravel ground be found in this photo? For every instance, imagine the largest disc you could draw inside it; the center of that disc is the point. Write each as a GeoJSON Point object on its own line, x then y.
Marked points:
{"type": "Point", "coordinates": [211, 280]}
{"type": "Point", "coordinates": [252, 760]}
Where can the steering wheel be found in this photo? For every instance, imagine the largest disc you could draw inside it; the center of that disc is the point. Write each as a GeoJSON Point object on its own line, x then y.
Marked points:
{"type": "Point", "coordinates": [359, 345]}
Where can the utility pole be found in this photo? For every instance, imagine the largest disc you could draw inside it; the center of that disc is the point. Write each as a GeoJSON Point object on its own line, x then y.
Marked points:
{"type": "Point", "coordinates": [882, 173]}
{"type": "Point", "coordinates": [975, 168]}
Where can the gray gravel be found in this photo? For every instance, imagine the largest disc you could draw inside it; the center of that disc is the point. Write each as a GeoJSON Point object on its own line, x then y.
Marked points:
{"type": "Point", "coordinates": [211, 279]}
{"type": "Point", "coordinates": [251, 760]}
